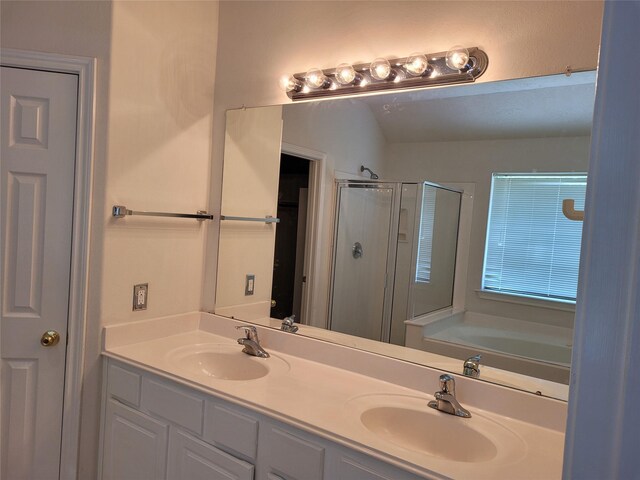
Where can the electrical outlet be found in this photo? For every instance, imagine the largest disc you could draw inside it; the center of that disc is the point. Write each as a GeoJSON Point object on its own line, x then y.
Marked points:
{"type": "Point", "coordinates": [250, 284]}
{"type": "Point", "coordinates": [140, 296]}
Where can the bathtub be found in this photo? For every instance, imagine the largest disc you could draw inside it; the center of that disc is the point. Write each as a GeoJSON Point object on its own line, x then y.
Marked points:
{"type": "Point", "coordinates": [529, 348]}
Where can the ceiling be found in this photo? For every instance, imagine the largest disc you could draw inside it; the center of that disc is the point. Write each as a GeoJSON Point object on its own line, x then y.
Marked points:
{"type": "Point", "coordinates": [555, 106]}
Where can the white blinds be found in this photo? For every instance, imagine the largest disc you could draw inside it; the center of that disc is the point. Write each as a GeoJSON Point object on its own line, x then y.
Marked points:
{"type": "Point", "coordinates": [532, 248]}
{"type": "Point", "coordinates": [425, 238]}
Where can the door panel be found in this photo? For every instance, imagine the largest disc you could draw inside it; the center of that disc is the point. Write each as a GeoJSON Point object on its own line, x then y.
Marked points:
{"type": "Point", "coordinates": [360, 260]}
{"type": "Point", "coordinates": [38, 136]}
{"type": "Point", "coordinates": [135, 445]}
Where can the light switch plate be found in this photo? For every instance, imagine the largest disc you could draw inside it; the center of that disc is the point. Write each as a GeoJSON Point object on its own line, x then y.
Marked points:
{"type": "Point", "coordinates": [250, 284]}
{"type": "Point", "coordinates": [140, 296]}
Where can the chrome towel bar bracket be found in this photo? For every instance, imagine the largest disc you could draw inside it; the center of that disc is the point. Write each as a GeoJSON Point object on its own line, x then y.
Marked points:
{"type": "Point", "coordinates": [120, 211]}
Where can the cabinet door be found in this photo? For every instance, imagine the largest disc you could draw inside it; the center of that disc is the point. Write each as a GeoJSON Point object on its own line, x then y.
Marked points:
{"type": "Point", "coordinates": [135, 445]}
{"type": "Point", "coordinates": [289, 455]}
{"type": "Point", "coordinates": [192, 459]}
{"type": "Point", "coordinates": [348, 465]}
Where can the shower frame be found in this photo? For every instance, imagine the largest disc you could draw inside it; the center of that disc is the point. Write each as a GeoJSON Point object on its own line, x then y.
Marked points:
{"type": "Point", "coordinates": [392, 248]}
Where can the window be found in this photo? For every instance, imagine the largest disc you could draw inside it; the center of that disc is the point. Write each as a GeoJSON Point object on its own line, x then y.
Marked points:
{"type": "Point", "coordinates": [425, 238]}
{"type": "Point", "coordinates": [532, 249]}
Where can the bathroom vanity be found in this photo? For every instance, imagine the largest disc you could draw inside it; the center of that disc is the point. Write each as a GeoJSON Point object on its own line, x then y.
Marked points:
{"type": "Point", "coordinates": [181, 400]}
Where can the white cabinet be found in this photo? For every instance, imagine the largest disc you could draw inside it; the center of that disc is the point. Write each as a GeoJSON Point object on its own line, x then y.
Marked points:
{"type": "Point", "coordinates": [284, 453]}
{"type": "Point", "coordinates": [157, 429]}
{"type": "Point", "coordinates": [347, 465]}
{"type": "Point", "coordinates": [192, 459]}
{"type": "Point", "coordinates": [134, 445]}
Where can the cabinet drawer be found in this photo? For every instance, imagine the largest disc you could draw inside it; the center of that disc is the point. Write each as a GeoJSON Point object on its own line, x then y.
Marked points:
{"type": "Point", "coordinates": [231, 429]}
{"type": "Point", "coordinates": [290, 456]}
{"type": "Point", "coordinates": [192, 459]}
{"type": "Point", "coordinates": [123, 385]}
{"type": "Point", "coordinates": [173, 403]}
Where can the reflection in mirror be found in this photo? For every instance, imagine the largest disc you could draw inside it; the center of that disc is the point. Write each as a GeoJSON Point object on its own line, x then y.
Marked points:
{"type": "Point", "coordinates": [459, 248]}
{"type": "Point", "coordinates": [402, 235]}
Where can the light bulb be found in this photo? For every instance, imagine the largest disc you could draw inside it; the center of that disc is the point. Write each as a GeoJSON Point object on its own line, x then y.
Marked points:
{"type": "Point", "coordinates": [289, 83]}
{"type": "Point", "coordinates": [457, 58]}
{"type": "Point", "coordinates": [345, 74]}
{"type": "Point", "coordinates": [416, 64]}
{"type": "Point", "coordinates": [381, 69]}
{"type": "Point", "coordinates": [316, 79]}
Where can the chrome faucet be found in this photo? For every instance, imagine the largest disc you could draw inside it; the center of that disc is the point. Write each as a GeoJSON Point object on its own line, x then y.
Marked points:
{"type": "Point", "coordinates": [288, 324]}
{"type": "Point", "coordinates": [471, 367]}
{"type": "Point", "coordinates": [251, 343]}
{"type": "Point", "coordinates": [446, 398]}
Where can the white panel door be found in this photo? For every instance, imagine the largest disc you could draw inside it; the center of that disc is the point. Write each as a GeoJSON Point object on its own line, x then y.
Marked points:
{"type": "Point", "coordinates": [38, 136]}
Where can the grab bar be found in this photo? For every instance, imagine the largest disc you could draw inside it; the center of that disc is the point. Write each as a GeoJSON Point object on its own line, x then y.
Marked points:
{"type": "Point", "coordinates": [267, 219]}
{"type": "Point", "coordinates": [570, 212]}
{"type": "Point", "coordinates": [120, 211]}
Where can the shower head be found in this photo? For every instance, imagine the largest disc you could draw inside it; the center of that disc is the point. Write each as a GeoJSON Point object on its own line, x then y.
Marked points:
{"type": "Point", "coordinates": [374, 176]}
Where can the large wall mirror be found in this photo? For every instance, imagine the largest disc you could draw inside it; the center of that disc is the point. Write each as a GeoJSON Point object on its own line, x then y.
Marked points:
{"type": "Point", "coordinates": [425, 225]}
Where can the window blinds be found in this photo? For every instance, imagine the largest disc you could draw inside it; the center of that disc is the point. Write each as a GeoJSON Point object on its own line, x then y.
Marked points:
{"type": "Point", "coordinates": [425, 238]}
{"type": "Point", "coordinates": [532, 249]}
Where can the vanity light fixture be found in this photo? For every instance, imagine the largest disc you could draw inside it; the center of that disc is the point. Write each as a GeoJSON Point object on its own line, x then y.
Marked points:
{"type": "Point", "coordinates": [315, 78]}
{"type": "Point", "coordinates": [417, 64]}
{"type": "Point", "coordinates": [381, 69]}
{"type": "Point", "coordinates": [347, 75]}
{"type": "Point", "coordinates": [457, 58]}
{"type": "Point", "coordinates": [418, 70]}
{"type": "Point", "coordinates": [289, 83]}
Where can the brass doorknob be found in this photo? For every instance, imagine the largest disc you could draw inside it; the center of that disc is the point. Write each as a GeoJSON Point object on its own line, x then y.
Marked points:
{"type": "Point", "coordinates": [50, 338]}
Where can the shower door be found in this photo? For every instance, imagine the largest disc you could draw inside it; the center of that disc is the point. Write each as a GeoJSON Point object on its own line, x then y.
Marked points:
{"type": "Point", "coordinates": [364, 252]}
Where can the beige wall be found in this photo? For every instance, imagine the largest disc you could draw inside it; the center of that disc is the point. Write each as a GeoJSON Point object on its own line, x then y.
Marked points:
{"type": "Point", "coordinates": [160, 121]}
{"type": "Point", "coordinates": [261, 41]}
{"type": "Point", "coordinates": [154, 99]}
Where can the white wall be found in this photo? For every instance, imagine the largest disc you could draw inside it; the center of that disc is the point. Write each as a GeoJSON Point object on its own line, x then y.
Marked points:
{"type": "Point", "coordinates": [154, 101]}
{"type": "Point", "coordinates": [261, 41]}
{"type": "Point", "coordinates": [474, 162]}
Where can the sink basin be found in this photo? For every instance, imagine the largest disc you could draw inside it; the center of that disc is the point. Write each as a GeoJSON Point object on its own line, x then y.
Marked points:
{"type": "Point", "coordinates": [406, 422]}
{"type": "Point", "coordinates": [428, 433]}
{"type": "Point", "coordinates": [223, 362]}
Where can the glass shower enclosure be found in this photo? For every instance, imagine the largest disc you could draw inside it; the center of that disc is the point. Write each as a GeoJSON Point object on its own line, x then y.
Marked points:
{"type": "Point", "coordinates": [393, 255]}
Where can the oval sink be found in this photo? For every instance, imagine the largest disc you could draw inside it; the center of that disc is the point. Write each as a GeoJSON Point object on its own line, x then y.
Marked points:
{"type": "Point", "coordinates": [223, 362]}
{"type": "Point", "coordinates": [407, 422]}
{"type": "Point", "coordinates": [427, 433]}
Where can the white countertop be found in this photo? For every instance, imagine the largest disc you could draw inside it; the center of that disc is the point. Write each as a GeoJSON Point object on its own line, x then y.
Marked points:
{"type": "Point", "coordinates": [321, 398]}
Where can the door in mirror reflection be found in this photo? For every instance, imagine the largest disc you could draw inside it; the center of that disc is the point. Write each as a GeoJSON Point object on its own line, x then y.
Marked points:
{"type": "Point", "coordinates": [362, 251]}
